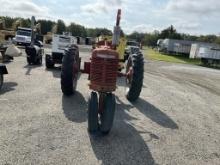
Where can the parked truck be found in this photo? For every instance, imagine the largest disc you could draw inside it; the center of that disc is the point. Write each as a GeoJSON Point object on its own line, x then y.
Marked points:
{"type": "Point", "coordinates": [131, 48]}
{"type": "Point", "coordinates": [23, 36]}
{"type": "Point", "coordinates": [59, 43]}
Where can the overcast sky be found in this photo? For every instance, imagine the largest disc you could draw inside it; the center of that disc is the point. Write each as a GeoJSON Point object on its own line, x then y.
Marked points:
{"type": "Point", "coordinates": [188, 16]}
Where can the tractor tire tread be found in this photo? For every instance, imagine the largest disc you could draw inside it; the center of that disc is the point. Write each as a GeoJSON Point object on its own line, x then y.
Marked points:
{"type": "Point", "coordinates": [138, 76]}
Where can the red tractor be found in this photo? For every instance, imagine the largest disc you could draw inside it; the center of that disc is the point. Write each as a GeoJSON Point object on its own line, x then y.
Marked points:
{"type": "Point", "coordinates": [103, 70]}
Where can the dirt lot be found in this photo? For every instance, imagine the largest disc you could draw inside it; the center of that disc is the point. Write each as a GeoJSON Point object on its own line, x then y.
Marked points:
{"type": "Point", "coordinates": [175, 121]}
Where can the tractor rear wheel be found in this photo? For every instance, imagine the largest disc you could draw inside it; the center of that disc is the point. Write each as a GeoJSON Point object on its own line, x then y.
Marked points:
{"type": "Point", "coordinates": [39, 60]}
{"type": "Point", "coordinates": [36, 61]}
{"type": "Point", "coordinates": [107, 116]}
{"type": "Point", "coordinates": [69, 71]}
{"type": "Point", "coordinates": [135, 72]}
{"type": "Point", "coordinates": [93, 113]}
{"type": "Point", "coordinates": [48, 61]}
{"type": "Point", "coordinates": [28, 60]}
{"type": "Point", "coordinates": [1, 80]}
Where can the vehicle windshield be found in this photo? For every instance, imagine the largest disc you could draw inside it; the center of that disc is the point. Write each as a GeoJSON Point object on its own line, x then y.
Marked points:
{"type": "Point", "coordinates": [132, 43]}
{"type": "Point", "coordinates": [64, 39]}
{"type": "Point", "coordinates": [23, 33]}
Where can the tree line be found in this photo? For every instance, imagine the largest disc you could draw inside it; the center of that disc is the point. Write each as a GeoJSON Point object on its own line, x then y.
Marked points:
{"type": "Point", "coordinates": [151, 39]}
{"type": "Point", "coordinates": [60, 26]}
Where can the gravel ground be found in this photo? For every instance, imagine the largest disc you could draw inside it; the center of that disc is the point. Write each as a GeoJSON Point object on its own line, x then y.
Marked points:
{"type": "Point", "coordinates": [175, 121]}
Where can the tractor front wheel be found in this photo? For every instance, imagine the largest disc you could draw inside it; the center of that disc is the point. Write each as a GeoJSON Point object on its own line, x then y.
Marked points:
{"type": "Point", "coordinates": [135, 76]}
{"type": "Point", "coordinates": [107, 116]}
{"type": "Point", "coordinates": [93, 113]}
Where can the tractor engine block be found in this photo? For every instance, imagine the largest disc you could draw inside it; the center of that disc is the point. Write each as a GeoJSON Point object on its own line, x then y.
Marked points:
{"type": "Point", "coordinates": [103, 70]}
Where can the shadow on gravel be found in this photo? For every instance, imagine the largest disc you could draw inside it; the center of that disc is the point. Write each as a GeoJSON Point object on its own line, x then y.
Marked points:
{"type": "Point", "coordinates": [150, 110]}
{"type": "Point", "coordinates": [75, 107]}
{"type": "Point", "coordinates": [56, 71]}
{"type": "Point", "coordinates": [124, 144]}
{"type": "Point", "coordinates": [155, 114]}
{"type": "Point", "coordinates": [7, 87]}
{"type": "Point", "coordinates": [30, 67]}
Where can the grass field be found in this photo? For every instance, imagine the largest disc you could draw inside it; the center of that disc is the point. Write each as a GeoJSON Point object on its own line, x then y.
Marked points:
{"type": "Point", "coordinates": [155, 55]}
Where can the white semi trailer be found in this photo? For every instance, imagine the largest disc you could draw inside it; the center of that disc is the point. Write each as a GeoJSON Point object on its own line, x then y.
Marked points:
{"type": "Point", "coordinates": [208, 53]}
{"type": "Point", "coordinates": [173, 46]}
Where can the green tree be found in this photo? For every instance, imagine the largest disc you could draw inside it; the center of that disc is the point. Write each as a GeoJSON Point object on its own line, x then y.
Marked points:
{"type": "Point", "coordinates": [217, 41]}
{"type": "Point", "coordinates": [26, 23]}
{"type": "Point", "coordinates": [77, 30]}
{"type": "Point", "coordinates": [207, 38]}
{"type": "Point", "coordinates": [61, 27]}
{"type": "Point", "coordinates": [46, 26]}
{"type": "Point", "coordinates": [170, 33]}
{"type": "Point", "coordinates": [91, 32]}
{"type": "Point", "coordinates": [150, 39]}
{"type": "Point", "coordinates": [139, 37]}
{"type": "Point", "coordinates": [8, 21]}
{"type": "Point", "coordinates": [189, 37]}
{"type": "Point", "coordinates": [97, 32]}
{"type": "Point", "coordinates": [103, 31]}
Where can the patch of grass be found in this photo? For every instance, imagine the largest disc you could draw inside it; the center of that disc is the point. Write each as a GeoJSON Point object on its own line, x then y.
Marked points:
{"type": "Point", "coordinates": [155, 55]}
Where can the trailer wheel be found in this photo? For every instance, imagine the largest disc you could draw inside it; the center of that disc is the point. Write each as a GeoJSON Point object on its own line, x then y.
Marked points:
{"type": "Point", "coordinates": [135, 72]}
{"type": "Point", "coordinates": [49, 62]}
{"type": "Point", "coordinates": [69, 72]}
{"type": "Point", "coordinates": [93, 113]}
{"type": "Point", "coordinates": [1, 80]}
{"type": "Point", "coordinates": [204, 61]}
{"type": "Point", "coordinates": [107, 116]}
